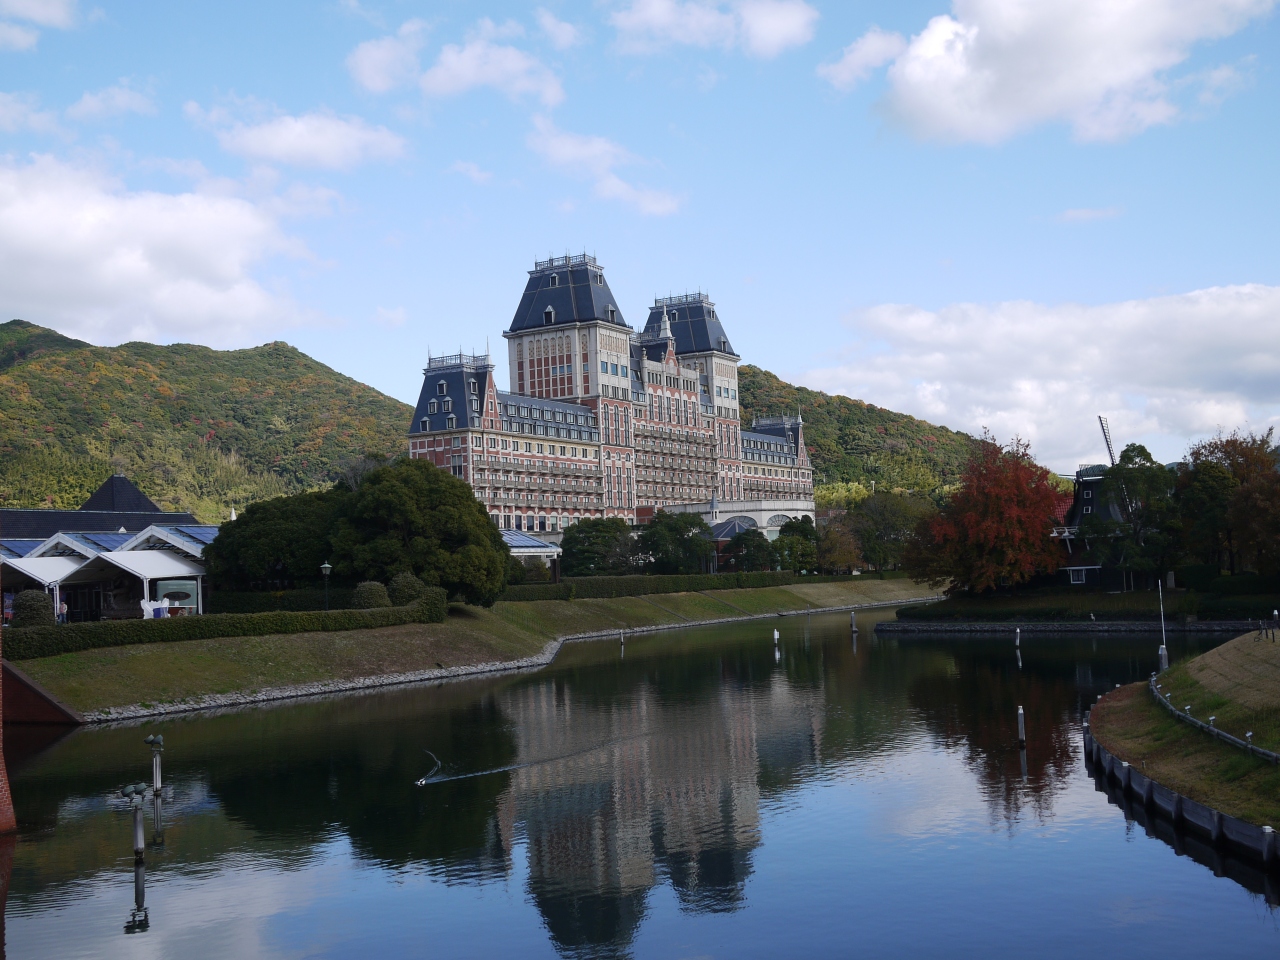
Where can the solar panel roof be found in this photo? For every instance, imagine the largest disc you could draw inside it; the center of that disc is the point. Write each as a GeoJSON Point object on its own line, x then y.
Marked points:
{"type": "Point", "coordinates": [205, 535]}
{"type": "Point", "coordinates": [516, 538]}
{"type": "Point", "coordinates": [106, 541]}
{"type": "Point", "coordinates": [20, 547]}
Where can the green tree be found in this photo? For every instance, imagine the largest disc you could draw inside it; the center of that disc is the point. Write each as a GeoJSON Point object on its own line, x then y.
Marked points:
{"type": "Point", "coordinates": [838, 549]}
{"type": "Point", "coordinates": [797, 545]}
{"type": "Point", "coordinates": [1148, 539]}
{"type": "Point", "coordinates": [411, 516]}
{"type": "Point", "coordinates": [1255, 513]}
{"type": "Point", "coordinates": [592, 547]}
{"type": "Point", "coordinates": [750, 551]}
{"type": "Point", "coordinates": [677, 543]}
{"type": "Point", "coordinates": [883, 523]}
{"type": "Point", "coordinates": [277, 543]}
{"type": "Point", "coordinates": [1204, 496]}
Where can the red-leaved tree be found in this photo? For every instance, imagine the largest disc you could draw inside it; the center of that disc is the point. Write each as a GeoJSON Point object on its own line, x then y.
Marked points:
{"type": "Point", "coordinates": [995, 530]}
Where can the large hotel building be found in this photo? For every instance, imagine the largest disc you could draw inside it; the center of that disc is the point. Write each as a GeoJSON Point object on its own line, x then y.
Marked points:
{"type": "Point", "coordinates": [602, 421]}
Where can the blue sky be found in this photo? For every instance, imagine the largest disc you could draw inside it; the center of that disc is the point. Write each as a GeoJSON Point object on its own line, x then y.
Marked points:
{"type": "Point", "coordinates": [998, 213]}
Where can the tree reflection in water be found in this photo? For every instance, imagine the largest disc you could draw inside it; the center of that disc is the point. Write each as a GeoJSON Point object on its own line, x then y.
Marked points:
{"type": "Point", "coordinates": [608, 777]}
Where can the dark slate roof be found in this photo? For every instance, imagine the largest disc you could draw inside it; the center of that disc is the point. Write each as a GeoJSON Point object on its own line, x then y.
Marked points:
{"type": "Point", "coordinates": [655, 351]}
{"type": "Point", "coordinates": [573, 287]}
{"type": "Point", "coordinates": [753, 439]}
{"type": "Point", "coordinates": [456, 378]}
{"type": "Point", "coordinates": [119, 494]}
{"type": "Point", "coordinates": [694, 323]}
{"type": "Point", "coordinates": [43, 524]}
{"type": "Point", "coordinates": [575, 422]}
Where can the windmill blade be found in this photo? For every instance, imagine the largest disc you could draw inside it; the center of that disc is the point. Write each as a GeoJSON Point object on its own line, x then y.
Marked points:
{"type": "Point", "coordinates": [1106, 435]}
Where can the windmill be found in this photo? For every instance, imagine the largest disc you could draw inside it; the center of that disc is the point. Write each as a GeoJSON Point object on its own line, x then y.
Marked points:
{"type": "Point", "coordinates": [1111, 452]}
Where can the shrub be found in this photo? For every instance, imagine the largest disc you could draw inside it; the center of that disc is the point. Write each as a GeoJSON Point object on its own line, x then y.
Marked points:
{"type": "Point", "coordinates": [32, 608]}
{"type": "Point", "coordinates": [405, 588]}
{"type": "Point", "coordinates": [32, 642]}
{"type": "Point", "coordinates": [369, 595]}
{"type": "Point", "coordinates": [535, 570]}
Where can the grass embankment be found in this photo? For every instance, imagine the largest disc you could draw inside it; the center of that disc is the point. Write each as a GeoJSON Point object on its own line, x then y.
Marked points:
{"type": "Point", "coordinates": [1078, 604]}
{"type": "Point", "coordinates": [1239, 684]}
{"type": "Point", "coordinates": [172, 672]}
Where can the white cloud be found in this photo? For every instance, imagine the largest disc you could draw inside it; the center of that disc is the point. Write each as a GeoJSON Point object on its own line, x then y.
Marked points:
{"type": "Point", "coordinates": [1086, 214]}
{"type": "Point", "coordinates": [471, 171]}
{"type": "Point", "coordinates": [322, 140]}
{"type": "Point", "coordinates": [46, 13]}
{"type": "Point", "coordinates": [595, 159]}
{"type": "Point", "coordinates": [389, 62]}
{"type": "Point", "coordinates": [110, 102]}
{"type": "Point", "coordinates": [14, 37]}
{"type": "Point", "coordinates": [763, 28]}
{"type": "Point", "coordinates": [562, 35]}
{"type": "Point", "coordinates": [873, 49]}
{"type": "Point", "coordinates": [81, 253]}
{"type": "Point", "coordinates": [1166, 368]}
{"type": "Point", "coordinates": [19, 112]}
{"type": "Point", "coordinates": [768, 27]}
{"type": "Point", "coordinates": [481, 62]}
{"type": "Point", "coordinates": [992, 68]}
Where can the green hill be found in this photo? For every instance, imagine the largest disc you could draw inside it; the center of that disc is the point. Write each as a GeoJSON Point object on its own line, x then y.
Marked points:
{"type": "Point", "coordinates": [205, 430]}
{"type": "Point", "coordinates": [197, 429]}
{"type": "Point", "coordinates": [856, 442]}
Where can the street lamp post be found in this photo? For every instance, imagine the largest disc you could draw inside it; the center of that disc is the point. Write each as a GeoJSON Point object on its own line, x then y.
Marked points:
{"type": "Point", "coordinates": [325, 568]}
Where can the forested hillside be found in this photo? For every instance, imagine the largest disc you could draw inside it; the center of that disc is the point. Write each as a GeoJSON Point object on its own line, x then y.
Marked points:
{"type": "Point", "coordinates": [205, 430]}
{"type": "Point", "coordinates": [197, 429]}
{"type": "Point", "coordinates": [853, 442]}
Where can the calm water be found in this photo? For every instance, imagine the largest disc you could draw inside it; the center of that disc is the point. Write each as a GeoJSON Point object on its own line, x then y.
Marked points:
{"type": "Point", "coordinates": [697, 796]}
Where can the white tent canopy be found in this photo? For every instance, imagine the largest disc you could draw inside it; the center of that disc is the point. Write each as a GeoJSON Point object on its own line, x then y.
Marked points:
{"type": "Point", "coordinates": [45, 570]}
{"type": "Point", "coordinates": [144, 564]}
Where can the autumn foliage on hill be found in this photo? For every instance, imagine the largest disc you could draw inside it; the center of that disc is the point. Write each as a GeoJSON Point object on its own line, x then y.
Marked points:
{"type": "Point", "coordinates": [995, 530]}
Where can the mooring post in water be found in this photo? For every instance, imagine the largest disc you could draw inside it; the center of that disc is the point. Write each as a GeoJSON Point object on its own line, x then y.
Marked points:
{"type": "Point", "coordinates": [1022, 757]}
{"type": "Point", "coordinates": [775, 637]}
{"type": "Point", "coordinates": [1017, 636]}
{"type": "Point", "coordinates": [156, 743]}
{"type": "Point", "coordinates": [1022, 727]}
{"type": "Point", "coordinates": [853, 621]}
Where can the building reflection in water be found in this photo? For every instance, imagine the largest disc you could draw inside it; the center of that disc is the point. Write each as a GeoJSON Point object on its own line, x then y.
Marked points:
{"type": "Point", "coordinates": [615, 796]}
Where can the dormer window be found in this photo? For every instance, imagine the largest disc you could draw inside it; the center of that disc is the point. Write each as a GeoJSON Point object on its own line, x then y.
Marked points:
{"type": "Point", "coordinates": [446, 404]}
{"type": "Point", "coordinates": [555, 280]}
{"type": "Point", "coordinates": [548, 316]}
{"type": "Point", "coordinates": [474, 387]}
{"type": "Point", "coordinates": [431, 406]}
{"type": "Point", "coordinates": [613, 315]}
{"type": "Point", "coordinates": [600, 279]}
{"type": "Point", "coordinates": [450, 422]}
{"type": "Point", "coordinates": [442, 388]}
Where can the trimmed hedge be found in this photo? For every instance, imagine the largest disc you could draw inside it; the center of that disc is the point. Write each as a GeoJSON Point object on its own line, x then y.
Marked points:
{"type": "Point", "coordinates": [244, 601]}
{"type": "Point", "coordinates": [32, 642]}
{"type": "Point", "coordinates": [637, 586]}
{"type": "Point", "coordinates": [33, 608]}
{"type": "Point", "coordinates": [370, 595]}
{"type": "Point", "coordinates": [522, 592]}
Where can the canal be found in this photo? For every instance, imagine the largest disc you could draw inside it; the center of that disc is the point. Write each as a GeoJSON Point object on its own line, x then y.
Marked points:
{"type": "Point", "coordinates": [702, 793]}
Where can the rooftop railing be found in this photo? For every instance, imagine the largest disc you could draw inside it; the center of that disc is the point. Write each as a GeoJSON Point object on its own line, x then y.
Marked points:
{"type": "Point", "coordinates": [684, 300]}
{"type": "Point", "coordinates": [568, 260]}
{"type": "Point", "coordinates": [458, 360]}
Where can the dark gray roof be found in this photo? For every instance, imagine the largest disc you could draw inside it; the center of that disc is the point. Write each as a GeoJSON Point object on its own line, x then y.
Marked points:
{"type": "Point", "coordinates": [573, 288]}
{"type": "Point", "coordinates": [43, 524]}
{"type": "Point", "coordinates": [118, 493]}
{"type": "Point", "coordinates": [694, 324]}
{"type": "Point", "coordinates": [456, 378]}
{"type": "Point", "coordinates": [531, 416]}
{"type": "Point", "coordinates": [757, 445]}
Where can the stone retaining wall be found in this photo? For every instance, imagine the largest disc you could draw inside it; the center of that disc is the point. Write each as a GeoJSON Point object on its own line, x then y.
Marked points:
{"type": "Point", "coordinates": [1049, 628]}
{"type": "Point", "coordinates": [326, 688]}
{"type": "Point", "coordinates": [1257, 843]}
